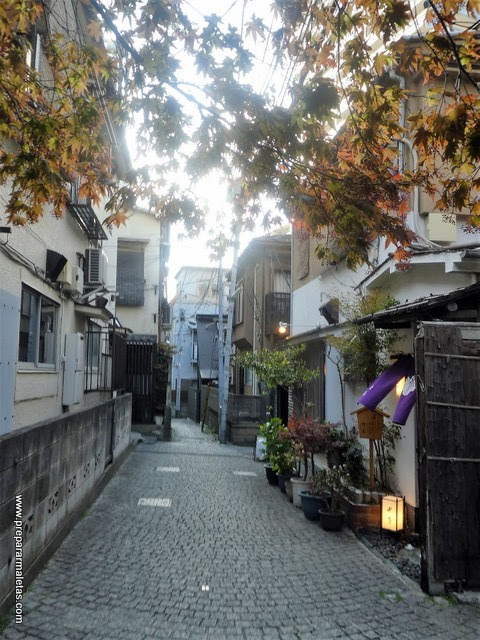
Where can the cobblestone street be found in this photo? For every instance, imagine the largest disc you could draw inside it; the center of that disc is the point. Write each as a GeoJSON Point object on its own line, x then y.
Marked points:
{"type": "Point", "coordinates": [228, 558]}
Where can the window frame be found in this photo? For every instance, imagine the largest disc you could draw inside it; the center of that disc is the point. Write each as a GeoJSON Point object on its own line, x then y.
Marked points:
{"type": "Point", "coordinates": [129, 252]}
{"type": "Point", "coordinates": [41, 302]}
{"type": "Point", "coordinates": [238, 308]}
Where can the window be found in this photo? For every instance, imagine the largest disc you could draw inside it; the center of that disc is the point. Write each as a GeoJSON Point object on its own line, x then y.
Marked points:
{"type": "Point", "coordinates": [238, 315]}
{"type": "Point", "coordinates": [93, 346]}
{"type": "Point", "coordinates": [303, 264]}
{"type": "Point", "coordinates": [194, 347]}
{"type": "Point", "coordinates": [38, 327]}
{"type": "Point", "coordinates": [281, 282]}
{"type": "Point", "coordinates": [130, 275]}
{"type": "Point", "coordinates": [248, 376]}
{"type": "Point", "coordinates": [202, 290]}
{"type": "Point", "coordinates": [34, 49]}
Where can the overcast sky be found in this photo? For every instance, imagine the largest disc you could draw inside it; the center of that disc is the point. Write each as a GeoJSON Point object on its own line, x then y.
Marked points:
{"type": "Point", "coordinates": [211, 191]}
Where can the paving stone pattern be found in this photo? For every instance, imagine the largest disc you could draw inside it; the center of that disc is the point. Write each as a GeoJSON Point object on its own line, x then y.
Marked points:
{"type": "Point", "coordinates": [140, 572]}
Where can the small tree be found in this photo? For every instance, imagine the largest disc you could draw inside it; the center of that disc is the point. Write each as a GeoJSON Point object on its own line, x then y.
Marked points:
{"type": "Point", "coordinates": [283, 368]}
{"type": "Point", "coordinates": [364, 348]}
{"type": "Point", "coordinates": [365, 351]}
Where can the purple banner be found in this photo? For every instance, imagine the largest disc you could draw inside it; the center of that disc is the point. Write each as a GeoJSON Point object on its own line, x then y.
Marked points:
{"type": "Point", "coordinates": [406, 401]}
{"type": "Point", "coordinates": [404, 367]}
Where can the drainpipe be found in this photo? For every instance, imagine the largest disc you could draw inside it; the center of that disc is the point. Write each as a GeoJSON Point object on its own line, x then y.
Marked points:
{"type": "Point", "coordinates": [221, 376]}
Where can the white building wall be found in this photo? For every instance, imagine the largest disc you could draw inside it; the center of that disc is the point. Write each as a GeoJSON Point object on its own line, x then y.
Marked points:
{"type": "Point", "coordinates": [38, 392]}
{"type": "Point", "coordinates": [144, 227]}
{"type": "Point", "coordinates": [429, 274]}
{"type": "Point", "coordinates": [304, 310]}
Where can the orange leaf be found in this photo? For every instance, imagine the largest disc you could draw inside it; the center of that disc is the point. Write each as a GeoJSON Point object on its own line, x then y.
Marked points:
{"type": "Point", "coordinates": [94, 30]}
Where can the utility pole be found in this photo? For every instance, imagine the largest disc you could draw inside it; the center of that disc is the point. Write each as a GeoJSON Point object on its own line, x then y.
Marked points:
{"type": "Point", "coordinates": [167, 413]}
{"type": "Point", "coordinates": [227, 352]}
{"type": "Point", "coordinates": [221, 377]}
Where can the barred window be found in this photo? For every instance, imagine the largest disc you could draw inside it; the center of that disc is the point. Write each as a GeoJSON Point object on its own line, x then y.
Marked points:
{"type": "Point", "coordinates": [130, 276]}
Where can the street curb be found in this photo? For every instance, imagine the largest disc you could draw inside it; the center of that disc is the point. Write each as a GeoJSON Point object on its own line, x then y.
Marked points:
{"type": "Point", "coordinates": [408, 582]}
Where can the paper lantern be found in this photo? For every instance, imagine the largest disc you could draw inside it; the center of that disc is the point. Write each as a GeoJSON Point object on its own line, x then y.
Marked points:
{"type": "Point", "coordinates": [392, 513]}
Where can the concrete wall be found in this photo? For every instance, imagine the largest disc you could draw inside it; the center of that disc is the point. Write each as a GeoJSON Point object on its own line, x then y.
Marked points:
{"type": "Point", "coordinates": [54, 466]}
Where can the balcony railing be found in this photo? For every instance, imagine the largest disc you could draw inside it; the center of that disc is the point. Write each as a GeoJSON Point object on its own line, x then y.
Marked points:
{"type": "Point", "coordinates": [277, 309]}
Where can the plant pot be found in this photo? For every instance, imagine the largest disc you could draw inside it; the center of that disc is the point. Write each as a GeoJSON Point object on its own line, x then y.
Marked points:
{"type": "Point", "coordinates": [289, 490]}
{"type": "Point", "coordinates": [299, 485]}
{"type": "Point", "coordinates": [272, 477]}
{"type": "Point", "coordinates": [311, 505]}
{"type": "Point", "coordinates": [282, 478]}
{"type": "Point", "coordinates": [331, 520]}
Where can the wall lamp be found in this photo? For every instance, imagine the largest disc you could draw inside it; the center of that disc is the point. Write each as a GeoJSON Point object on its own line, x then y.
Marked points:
{"type": "Point", "coordinates": [283, 328]}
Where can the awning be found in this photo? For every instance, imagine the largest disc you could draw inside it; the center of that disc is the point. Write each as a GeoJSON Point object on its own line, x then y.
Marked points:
{"type": "Point", "coordinates": [89, 311]}
{"type": "Point", "coordinates": [87, 220]}
{"type": "Point", "coordinates": [404, 367]}
{"type": "Point", "coordinates": [458, 305]}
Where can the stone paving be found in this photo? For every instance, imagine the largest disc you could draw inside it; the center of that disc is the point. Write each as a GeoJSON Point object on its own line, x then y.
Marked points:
{"type": "Point", "coordinates": [230, 559]}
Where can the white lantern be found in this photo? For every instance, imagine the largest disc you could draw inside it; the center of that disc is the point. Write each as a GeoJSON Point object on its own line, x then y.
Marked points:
{"type": "Point", "coordinates": [392, 513]}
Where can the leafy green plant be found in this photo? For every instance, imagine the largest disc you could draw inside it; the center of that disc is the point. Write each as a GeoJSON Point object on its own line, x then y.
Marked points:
{"type": "Point", "coordinates": [282, 367]}
{"type": "Point", "coordinates": [346, 450]}
{"type": "Point", "coordinates": [364, 348]}
{"type": "Point", "coordinates": [269, 431]}
{"type": "Point", "coordinates": [278, 445]}
{"type": "Point", "coordinates": [335, 482]}
{"type": "Point", "coordinates": [310, 436]}
{"type": "Point", "coordinates": [284, 462]}
{"type": "Point", "coordinates": [384, 448]}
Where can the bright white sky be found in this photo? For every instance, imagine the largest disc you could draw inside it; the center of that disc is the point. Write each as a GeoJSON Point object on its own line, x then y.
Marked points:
{"type": "Point", "coordinates": [211, 192]}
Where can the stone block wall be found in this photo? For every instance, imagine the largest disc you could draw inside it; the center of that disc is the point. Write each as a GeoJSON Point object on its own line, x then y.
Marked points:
{"type": "Point", "coordinates": [47, 470]}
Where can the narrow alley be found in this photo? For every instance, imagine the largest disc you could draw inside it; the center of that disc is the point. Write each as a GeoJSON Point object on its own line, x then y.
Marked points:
{"type": "Point", "coordinates": [215, 552]}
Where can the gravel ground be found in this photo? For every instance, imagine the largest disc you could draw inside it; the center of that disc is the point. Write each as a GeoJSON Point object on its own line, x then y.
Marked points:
{"type": "Point", "coordinates": [402, 551]}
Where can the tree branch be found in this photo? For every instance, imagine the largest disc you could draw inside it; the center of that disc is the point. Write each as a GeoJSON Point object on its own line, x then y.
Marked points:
{"type": "Point", "coordinates": [460, 64]}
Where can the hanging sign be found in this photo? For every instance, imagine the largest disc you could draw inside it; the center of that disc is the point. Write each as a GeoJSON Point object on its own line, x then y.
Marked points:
{"type": "Point", "coordinates": [370, 423]}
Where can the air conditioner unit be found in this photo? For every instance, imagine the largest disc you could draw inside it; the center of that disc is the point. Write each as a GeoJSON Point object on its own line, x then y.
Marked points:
{"type": "Point", "coordinates": [95, 267]}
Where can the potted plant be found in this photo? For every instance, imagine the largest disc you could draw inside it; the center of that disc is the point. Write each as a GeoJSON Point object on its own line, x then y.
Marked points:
{"type": "Point", "coordinates": [309, 436]}
{"type": "Point", "coordinates": [289, 489]}
{"type": "Point", "coordinates": [315, 499]}
{"type": "Point", "coordinates": [337, 483]}
{"type": "Point", "coordinates": [283, 463]}
{"type": "Point", "coordinates": [275, 445]}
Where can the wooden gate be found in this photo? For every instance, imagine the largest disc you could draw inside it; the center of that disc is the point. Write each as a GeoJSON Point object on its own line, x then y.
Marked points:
{"type": "Point", "coordinates": [448, 419]}
{"type": "Point", "coordinates": [140, 367]}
